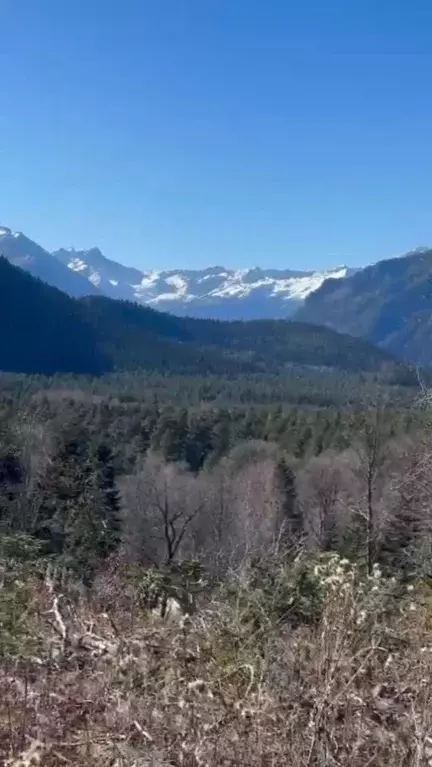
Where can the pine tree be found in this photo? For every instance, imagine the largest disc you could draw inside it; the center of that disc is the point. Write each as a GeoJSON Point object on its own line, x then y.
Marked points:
{"type": "Point", "coordinates": [109, 496]}
{"type": "Point", "coordinates": [290, 520]}
{"type": "Point", "coordinates": [93, 524]}
{"type": "Point", "coordinates": [11, 478]}
{"type": "Point", "coordinates": [199, 443]}
{"type": "Point", "coordinates": [62, 488]}
{"type": "Point", "coordinates": [221, 438]}
{"type": "Point", "coordinates": [79, 509]}
{"type": "Point", "coordinates": [171, 435]}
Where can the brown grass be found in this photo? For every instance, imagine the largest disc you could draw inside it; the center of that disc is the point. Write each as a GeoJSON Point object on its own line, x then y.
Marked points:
{"type": "Point", "coordinates": [130, 689]}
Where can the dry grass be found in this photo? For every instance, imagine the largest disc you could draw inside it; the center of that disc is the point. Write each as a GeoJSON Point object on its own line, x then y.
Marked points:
{"type": "Point", "coordinates": [130, 689]}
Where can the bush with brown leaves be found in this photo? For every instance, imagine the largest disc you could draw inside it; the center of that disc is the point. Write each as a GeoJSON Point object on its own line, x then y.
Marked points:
{"type": "Point", "coordinates": [128, 688]}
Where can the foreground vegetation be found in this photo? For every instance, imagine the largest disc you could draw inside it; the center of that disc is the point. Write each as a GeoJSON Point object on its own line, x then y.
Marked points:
{"type": "Point", "coordinates": [188, 584]}
{"type": "Point", "coordinates": [291, 661]}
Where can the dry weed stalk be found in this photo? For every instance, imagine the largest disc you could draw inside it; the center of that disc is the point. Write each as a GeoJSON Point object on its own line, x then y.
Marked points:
{"type": "Point", "coordinates": [352, 689]}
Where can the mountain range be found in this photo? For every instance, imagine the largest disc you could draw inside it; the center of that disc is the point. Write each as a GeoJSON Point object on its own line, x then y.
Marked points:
{"type": "Point", "coordinates": [388, 303]}
{"type": "Point", "coordinates": [47, 331]}
{"type": "Point", "coordinates": [215, 292]}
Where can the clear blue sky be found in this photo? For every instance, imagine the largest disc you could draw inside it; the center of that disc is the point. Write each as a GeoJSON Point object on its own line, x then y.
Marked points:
{"type": "Point", "coordinates": [193, 132]}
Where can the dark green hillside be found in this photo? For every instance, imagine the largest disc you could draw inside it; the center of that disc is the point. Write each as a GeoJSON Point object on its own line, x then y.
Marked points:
{"type": "Point", "coordinates": [135, 337]}
{"type": "Point", "coordinates": [45, 331]}
{"type": "Point", "coordinates": [389, 303]}
{"type": "Point", "coordinates": [42, 329]}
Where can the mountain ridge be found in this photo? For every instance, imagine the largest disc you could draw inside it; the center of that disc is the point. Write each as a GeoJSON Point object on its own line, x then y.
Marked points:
{"type": "Point", "coordinates": [53, 332]}
{"type": "Point", "coordinates": [389, 303]}
{"type": "Point", "coordinates": [25, 253]}
{"type": "Point", "coordinates": [215, 292]}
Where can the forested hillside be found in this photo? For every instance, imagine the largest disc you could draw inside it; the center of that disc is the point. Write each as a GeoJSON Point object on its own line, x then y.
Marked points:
{"type": "Point", "coordinates": [388, 303]}
{"type": "Point", "coordinates": [45, 331]}
{"type": "Point", "coordinates": [135, 337]}
{"type": "Point", "coordinates": [42, 329]}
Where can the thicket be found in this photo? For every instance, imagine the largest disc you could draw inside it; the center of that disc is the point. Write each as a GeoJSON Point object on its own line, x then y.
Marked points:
{"type": "Point", "coordinates": [208, 586]}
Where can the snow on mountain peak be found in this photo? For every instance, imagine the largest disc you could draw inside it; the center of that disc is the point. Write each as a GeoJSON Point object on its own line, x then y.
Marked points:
{"type": "Point", "coordinates": [6, 232]}
{"type": "Point", "coordinates": [77, 265]}
{"type": "Point", "coordinates": [211, 292]}
{"type": "Point", "coordinates": [214, 292]}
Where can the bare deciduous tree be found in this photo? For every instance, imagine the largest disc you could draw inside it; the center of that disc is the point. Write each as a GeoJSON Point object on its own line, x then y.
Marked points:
{"type": "Point", "coordinates": [223, 515]}
{"type": "Point", "coordinates": [215, 529]}
{"type": "Point", "coordinates": [160, 504]}
{"type": "Point", "coordinates": [320, 495]}
{"type": "Point", "coordinates": [371, 480]}
{"type": "Point", "coordinates": [35, 444]}
{"type": "Point", "coordinates": [256, 508]}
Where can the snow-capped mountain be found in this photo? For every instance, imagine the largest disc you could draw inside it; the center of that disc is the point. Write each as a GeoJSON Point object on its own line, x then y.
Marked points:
{"type": "Point", "coordinates": [23, 252]}
{"type": "Point", "coordinates": [215, 292]}
{"type": "Point", "coordinates": [107, 276]}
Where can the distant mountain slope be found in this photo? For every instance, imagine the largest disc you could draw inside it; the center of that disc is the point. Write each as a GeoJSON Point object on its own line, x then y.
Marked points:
{"type": "Point", "coordinates": [215, 292]}
{"type": "Point", "coordinates": [109, 277]}
{"type": "Point", "coordinates": [125, 332]}
{"type": "Point", "coordinates": [389, 303]}
{"type": "Point", "coordinates": [28, 255]}
{"type": "Point", "coordinates": [45, 331]}
{"type": "Point", "coordinates": [42, 329]}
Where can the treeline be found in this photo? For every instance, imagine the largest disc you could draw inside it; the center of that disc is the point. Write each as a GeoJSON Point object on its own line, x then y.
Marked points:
{"type": "Point", "coordinates": [302, 387]}
{"type": "Point", "coordinates": [194, 435]}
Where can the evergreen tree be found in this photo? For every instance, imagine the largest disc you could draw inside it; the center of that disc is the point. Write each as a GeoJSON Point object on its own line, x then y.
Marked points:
{"type": "Point", "coordinates": [62, 488]}
{"type": "Point", "coordinates": [200, 441]}
{"type": "Point", "coordinates": [79, 512]}
{"type": "Point", "coordinates": [303, 441]}
{"type": "Point", "coordinates": [221, 437]}
{"type": "Point", "coordinates": [290, 517]}
{"type": "Point", "coordinates": [171, 435]}
{"type": "Point", "coordinates": [105, 482]}
{"type": "Point", "coordinates": [92, 527]}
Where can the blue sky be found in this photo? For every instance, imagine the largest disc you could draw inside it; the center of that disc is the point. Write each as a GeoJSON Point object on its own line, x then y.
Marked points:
{"type": "Point", "coordinates": [194, 132]}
